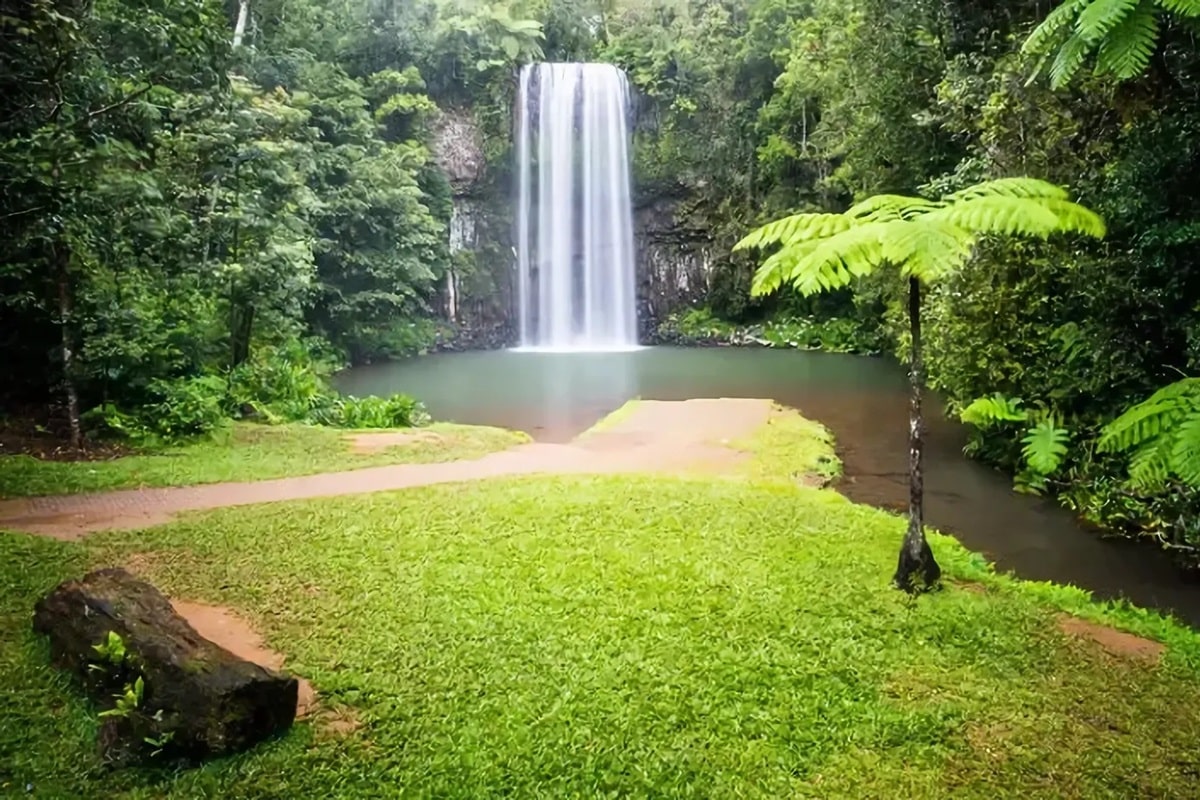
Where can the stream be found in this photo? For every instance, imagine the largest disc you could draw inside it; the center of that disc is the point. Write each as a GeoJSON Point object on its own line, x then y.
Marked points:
{"type": "Point", "coordinates": [863, 401]}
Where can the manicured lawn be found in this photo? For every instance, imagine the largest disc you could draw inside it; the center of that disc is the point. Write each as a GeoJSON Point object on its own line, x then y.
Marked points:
{"type": "Point", "coordinates": [247, 452]}
{"type": "Point", "coordinates": [632, 637]}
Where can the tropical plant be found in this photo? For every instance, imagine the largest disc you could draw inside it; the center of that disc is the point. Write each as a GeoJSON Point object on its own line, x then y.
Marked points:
{"type": "Point", "coordinates": [1123, 34]}
{"type": "Point", "coordinates": [1163, 434]}
{"type": "Point", "coordinates": [926, 241]}
{"type": "Point", "coordinates": [1044, 442]}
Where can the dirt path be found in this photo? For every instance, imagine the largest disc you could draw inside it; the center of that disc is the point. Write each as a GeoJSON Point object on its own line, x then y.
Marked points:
{"type": "Point", "coordinates": [655, 437]}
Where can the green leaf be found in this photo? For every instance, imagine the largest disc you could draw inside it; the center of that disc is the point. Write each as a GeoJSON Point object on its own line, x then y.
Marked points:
{"type": "Point", "coordinates": [1128, 48]}
{"type": "Point", "coordinates": [511, 47]}
{"type": "Point", "coordinates": [1045, 447]}
{"type": "Point", "coordinates": [986, 411]}
{"type": "Point", "coordinates": [1056, 21]}
{"type": "Point", "coordinates": [1069, 59]}
{"type": "Point", "coordinates": [1101, 16]}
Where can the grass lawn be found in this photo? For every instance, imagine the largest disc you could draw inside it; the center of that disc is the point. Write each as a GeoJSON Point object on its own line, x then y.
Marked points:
{"type": "Point", "coordinates": [622, 636]}
{"type": "Point", "coordinates": [246, 452]}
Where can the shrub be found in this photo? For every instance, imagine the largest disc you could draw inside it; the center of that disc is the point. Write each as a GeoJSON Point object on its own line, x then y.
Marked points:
{"type": "Point", "coordinates": [397, 411]}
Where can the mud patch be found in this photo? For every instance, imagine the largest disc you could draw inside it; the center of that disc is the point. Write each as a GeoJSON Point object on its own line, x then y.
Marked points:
{"type": "Point", "coordinates": [366, 443]}
{"type": "Point", "coordinates": [1112, 641]}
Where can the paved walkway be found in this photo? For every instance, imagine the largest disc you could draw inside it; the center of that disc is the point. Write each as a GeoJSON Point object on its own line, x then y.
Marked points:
{"type": "Point", "coordinates": [656, 437]}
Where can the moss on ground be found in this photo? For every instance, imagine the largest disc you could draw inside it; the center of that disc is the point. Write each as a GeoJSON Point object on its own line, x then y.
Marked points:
{"type": "Point", "coordinates": [246, 452]}
{"type": "Point", "coordinates": [630, 636]}
{"type": "Point", "coordinates": [790, 448]}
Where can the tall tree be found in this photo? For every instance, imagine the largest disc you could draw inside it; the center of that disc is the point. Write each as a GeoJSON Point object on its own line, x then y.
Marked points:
{"type": "Point", "coordinates": [924, 241]}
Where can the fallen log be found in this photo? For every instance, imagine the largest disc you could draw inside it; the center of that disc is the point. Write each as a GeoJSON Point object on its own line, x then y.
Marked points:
{"type": "Point", "coordinates": [164, 689]}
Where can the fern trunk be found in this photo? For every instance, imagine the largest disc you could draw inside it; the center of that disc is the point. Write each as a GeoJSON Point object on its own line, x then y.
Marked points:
{"type": "Point", "coordinates": [917, 569]}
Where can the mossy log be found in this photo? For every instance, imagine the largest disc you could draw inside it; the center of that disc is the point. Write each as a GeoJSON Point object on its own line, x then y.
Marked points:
{"type": "Point", "coordinates": [195, 699]}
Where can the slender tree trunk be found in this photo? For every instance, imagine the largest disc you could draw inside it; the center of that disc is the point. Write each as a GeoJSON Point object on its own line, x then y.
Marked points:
{"type": "Point", "coordinates": [917, 568]}
{"type": "Point", "coordinates": [239, 28]}
{"type": "Point", "coordinates": [66, 353]}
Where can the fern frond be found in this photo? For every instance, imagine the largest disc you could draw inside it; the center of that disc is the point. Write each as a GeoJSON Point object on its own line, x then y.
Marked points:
{"type": "Point", "coordinates": [1074, 218]}
{"type": "Point", "coordinates": [1149, 468]}
{"type": "Point", "coordinates": [1069, 59]}
{"type": "Point", "coordinates": [795, 228]}
{"type": "Point", "coordinates": [986, 411]}
{"type": "Point", "coordinates": [1184, 8]}
{"type": "Point", "coordinates": [1055, 22]}
{"type": "Point", "coordinates": [1101, 16]}
{"type": "Point", "coordinates": [1045, 447]}
{"type": "Point", "coordinates": [1030, 188]}
{"type": "Point", "coordinates": [890, 207]}
{"type": "Point", "coordinates": [1184, 458]}
{"type": "Point", "coordinates": [1150, 418]}
{"type": "Point", "coordinates": [999, 214]}
{"type": "Point", "coordinates": [927, 249]}
{"type": "Point", "coordinates": [778, 267]}
{"type": "Point", "coordinates": [1127, 49]}
{"type": "Point", "coordinates": [836, 261]}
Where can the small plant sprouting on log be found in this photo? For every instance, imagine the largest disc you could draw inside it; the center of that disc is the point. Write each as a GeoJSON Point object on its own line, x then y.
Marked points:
{"type": "Point", "coordinates": [111, 650]}
{"type": "Point", "coordinates": [128, 702]}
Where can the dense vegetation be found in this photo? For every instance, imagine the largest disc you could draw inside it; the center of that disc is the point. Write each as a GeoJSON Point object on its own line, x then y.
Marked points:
{"type": "Point", "coordinates": [197, 192]}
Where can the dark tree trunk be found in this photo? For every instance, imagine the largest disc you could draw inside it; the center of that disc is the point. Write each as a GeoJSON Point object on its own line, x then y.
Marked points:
{"type": "Point", "coordinates": [198, 699]}
{"type": "Point", "coordinates": [917, 569]}
{"type": "Point", "coordinates": [66, 350]}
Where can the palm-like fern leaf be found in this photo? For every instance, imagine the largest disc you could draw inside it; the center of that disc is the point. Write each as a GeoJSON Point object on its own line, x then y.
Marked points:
{"type": "Point", "coordinates": [928, 249]}
{"type": "Point", "coordinates": [1150, 466]}
{"type": "Point", "coordinates": [984, 412]}
{"type": "Point", "coordinates": [1069, 59]}
{"type": "Point", "coordinates": [1153, 417]}
{"type": "Point", "coordinates": [1185, 449]}
{"type": "Point", "coordinates": [1045, 34]}
{"type": "Point", "coordinates": [1101, 16]}
{"type": "Point", "coordinates": [1032, 188]}
{"type": "Point", "coordinates": [795, 228]}
{"type": "Point", "coordinates": [1074, 218]}
{"type": "Point", "coordinates": [889, 207]}
{"type": "Point", "coordinates": [836, 261]}
{"type": "Point", "coordinates": [1126, 50]}
{"type": "Point", "coordinates": [779, 266]}
{"type": "Point", "coordinates": [1045, 446]}
{"type": "Point", "coordinates": [1184, 8]}
{"type": "Point", "coordinates": [1014, 216]}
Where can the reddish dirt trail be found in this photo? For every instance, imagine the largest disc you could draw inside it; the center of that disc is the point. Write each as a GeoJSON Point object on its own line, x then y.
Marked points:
{"type": "Point", "coordinates": [656, 437]}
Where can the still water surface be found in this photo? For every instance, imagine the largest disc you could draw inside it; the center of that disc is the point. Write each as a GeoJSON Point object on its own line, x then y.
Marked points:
{"type": "Point", "coordinates": [863, 401]}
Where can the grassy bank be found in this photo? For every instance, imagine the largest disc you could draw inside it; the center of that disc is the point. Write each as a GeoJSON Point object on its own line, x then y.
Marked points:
{"type": "Point", "coordinates": [624, 636]}
{"type": "Point", "coordinates": [246, 452]}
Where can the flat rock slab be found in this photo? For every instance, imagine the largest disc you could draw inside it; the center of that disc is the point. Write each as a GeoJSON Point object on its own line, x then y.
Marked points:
{"type": "Point", "coordinates": [656, 436]}
{"type": "Point", "coordinates": [197, 699]}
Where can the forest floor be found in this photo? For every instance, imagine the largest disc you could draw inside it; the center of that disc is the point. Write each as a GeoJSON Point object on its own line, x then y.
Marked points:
{"type": "Point", "coordinates": [728, 632]}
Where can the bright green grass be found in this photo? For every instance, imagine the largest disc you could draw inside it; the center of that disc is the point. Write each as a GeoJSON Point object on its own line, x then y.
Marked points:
{"type": "Point", "coordinates": [247, 452]}
{"type": "Point", "coordinates": [618, 636]}
{"type": "Point", "coordinates": [790, 448]}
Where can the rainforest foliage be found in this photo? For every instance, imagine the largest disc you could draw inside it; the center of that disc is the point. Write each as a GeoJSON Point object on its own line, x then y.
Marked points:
{"type": "Point", "coordinates": [201, 197]}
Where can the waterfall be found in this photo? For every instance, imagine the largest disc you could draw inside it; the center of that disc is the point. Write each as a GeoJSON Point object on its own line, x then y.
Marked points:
{"type": "Point", "coordinates": [575, 256]}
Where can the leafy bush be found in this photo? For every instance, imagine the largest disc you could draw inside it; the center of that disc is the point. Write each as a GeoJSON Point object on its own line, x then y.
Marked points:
{"type": "Point", "coordinates": [283, 384]}
{"type": "Point", "coordinates": [180, 408]}
{"type": "Point", "coordinates": [397, 411]}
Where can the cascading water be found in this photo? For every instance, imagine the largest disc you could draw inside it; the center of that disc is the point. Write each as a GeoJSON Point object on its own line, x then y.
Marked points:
{"type": "Point", "coordinates": [575, 256]}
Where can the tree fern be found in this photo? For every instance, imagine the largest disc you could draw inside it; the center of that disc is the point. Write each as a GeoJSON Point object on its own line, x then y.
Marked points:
{"type": "Point", "coordinates": [924, 241]}
{"type": "Point", "coordinates": [1101, 16]}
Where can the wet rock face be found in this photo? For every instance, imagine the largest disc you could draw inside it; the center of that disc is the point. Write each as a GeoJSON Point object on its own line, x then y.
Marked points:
{"type": "Point", "coordinates": [458, 149]}
{"type": "Point", "coordinates": [676, 260]}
